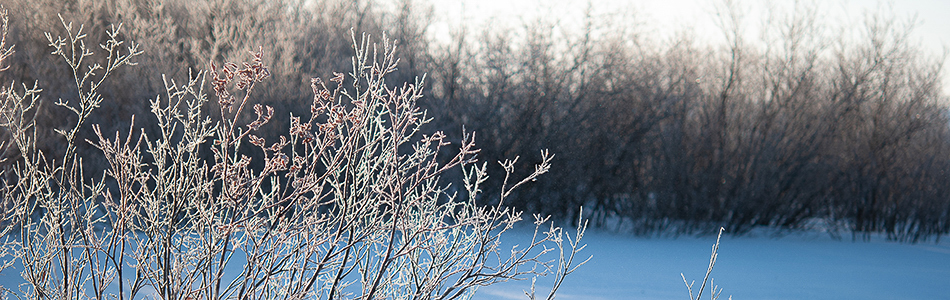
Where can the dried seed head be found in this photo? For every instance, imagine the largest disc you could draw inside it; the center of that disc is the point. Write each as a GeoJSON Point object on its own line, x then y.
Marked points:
{"type": "Point", "coordinates": [255, 140]}
{"type": "Point", "coordinates": [337, 77]}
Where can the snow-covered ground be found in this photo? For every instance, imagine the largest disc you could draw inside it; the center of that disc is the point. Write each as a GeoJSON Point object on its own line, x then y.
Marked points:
{"type": "Point", "coordinates": [799, 266]}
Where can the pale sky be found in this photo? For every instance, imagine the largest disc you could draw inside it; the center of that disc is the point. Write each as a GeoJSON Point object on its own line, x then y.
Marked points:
{"type": "Point", "coordinates": [661, 19]}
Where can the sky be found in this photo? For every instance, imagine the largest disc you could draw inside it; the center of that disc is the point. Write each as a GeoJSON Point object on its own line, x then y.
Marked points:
{"type": "Point", "coordinates": [662, 19]}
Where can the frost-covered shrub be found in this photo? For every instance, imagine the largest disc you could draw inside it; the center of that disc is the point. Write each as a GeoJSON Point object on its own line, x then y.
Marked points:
{"type": "Point", "coordinates": [349, 203]}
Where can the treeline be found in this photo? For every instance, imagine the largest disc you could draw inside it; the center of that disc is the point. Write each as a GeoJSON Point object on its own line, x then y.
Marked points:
{"type": "Point", "coordinates": [806, 126]}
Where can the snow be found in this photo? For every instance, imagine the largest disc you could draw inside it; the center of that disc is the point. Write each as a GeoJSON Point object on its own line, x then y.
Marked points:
{"type": "Point", "coordinates": [798, 266]}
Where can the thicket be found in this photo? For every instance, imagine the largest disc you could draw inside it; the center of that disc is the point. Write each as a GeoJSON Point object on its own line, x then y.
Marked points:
{"type": "Point", "coordinates": [810, 123]}
{"type": "Point", "coordinates": [807, 125]}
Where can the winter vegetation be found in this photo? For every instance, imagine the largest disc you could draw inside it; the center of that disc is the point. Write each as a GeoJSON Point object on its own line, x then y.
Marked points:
{"type": "Point", "coordinates": [845, 126]}
{"type": "Point", "coordinates": [348, 204]}
{"type": "Point", "coordinates": [212, 149]}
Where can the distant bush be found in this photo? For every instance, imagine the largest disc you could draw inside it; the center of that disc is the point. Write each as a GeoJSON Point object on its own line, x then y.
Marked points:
{"type": "Point", "coordinates": [846, 125]}
{"type": "Point", "coordinates": [349, 202]}
{"type": "Point", "coordinates": [807, 123]}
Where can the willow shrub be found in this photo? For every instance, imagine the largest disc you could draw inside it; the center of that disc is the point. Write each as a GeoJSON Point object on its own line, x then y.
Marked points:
{"type": "Point", "coordinates": [349, 203]}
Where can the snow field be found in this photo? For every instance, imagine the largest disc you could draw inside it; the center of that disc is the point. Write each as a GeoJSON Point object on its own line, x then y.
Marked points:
{"type": "Point", "coordinates": [798, 266]}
